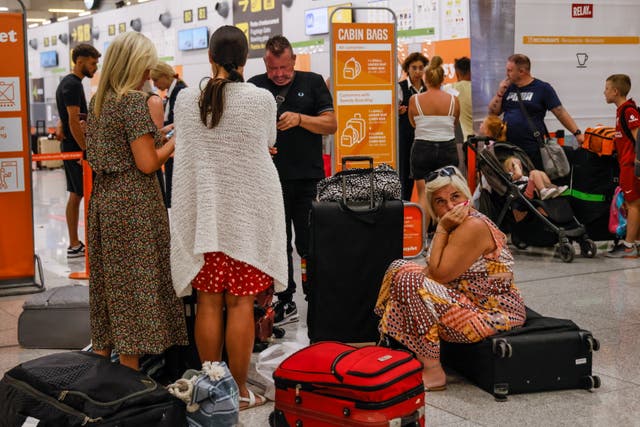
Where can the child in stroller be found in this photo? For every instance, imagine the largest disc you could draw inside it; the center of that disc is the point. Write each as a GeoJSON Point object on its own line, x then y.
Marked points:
{"type": "Point", "coordinates": [536, 180]}
{"type": "Point", "coordinates": [530, 221]}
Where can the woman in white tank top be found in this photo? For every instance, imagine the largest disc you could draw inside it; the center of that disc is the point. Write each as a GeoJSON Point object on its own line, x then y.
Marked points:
{"type": "Point", "coordinates": [434, 114]}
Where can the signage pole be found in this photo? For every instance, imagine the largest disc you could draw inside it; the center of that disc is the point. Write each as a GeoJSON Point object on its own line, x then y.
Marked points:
{"type": "Point", "coordinates": [18, 260]}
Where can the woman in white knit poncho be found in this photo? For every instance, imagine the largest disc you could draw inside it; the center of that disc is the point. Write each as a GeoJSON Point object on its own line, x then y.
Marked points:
{"type": "Point", "coordinates": [228, 239]}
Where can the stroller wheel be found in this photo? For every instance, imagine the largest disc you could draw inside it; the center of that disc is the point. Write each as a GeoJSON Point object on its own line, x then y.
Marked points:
{"type": "Point", "coordinates": [566, 252]}
{"type": "Point", "coordinates": [588, 248]}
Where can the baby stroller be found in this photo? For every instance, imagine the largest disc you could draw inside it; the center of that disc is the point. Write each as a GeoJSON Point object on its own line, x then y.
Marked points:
{"type": "Point", "coordinates": [547, 223]}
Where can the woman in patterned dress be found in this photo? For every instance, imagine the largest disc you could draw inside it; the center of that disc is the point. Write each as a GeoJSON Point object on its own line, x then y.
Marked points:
{"type": "Point", "coordinates": [133, 307]}
{"type": "Point", "coordinates": [465, 293]}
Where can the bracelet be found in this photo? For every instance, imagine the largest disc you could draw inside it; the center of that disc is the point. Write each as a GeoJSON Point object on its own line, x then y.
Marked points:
{"type": "Point", "coordinates": [299, 119]}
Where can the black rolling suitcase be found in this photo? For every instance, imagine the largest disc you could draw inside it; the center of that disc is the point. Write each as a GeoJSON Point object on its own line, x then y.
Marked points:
{"type": "Point", "coordinates": [84, 389]}
{"type": "Point", "coordinates": [350, 249]}
{"type": "Point", "coordinates": [544, 354]}
{"type": "Point", "coordinates": [593, 181]}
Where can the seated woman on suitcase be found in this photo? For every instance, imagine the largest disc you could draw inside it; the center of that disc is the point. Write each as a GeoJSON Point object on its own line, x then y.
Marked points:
{"type": "Point", "coordinates": [465, 293]}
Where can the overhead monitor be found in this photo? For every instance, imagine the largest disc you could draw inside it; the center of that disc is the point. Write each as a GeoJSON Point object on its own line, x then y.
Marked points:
{"type": "Point", "coordinates": [316, 21]}
{"type": "Point", "coordinates": [49, 59]}
{"type": "Point", "coordinates": [193, 38]}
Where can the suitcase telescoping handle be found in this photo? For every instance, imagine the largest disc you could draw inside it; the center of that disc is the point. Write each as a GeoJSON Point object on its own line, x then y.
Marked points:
{"type": "Point", "coordinates": [347, 159]}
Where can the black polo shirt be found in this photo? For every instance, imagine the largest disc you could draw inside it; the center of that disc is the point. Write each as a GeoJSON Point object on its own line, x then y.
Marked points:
{"type": "Point", "coordinates": [299, 151]}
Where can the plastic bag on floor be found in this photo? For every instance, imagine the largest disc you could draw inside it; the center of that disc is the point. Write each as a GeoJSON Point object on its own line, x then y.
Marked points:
{"type": "Point", "coordinates": [270, 359]}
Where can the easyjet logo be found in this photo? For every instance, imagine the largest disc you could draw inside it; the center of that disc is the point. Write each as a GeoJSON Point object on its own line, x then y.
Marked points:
{"type": "Point", "coordinates": [8, 37]}
{"type": "Point", "coordinates": [582, 10]}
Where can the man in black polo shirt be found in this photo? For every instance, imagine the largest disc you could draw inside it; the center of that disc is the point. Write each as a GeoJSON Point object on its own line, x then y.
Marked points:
{"type": "Point", "coordinates": [305, 113]}
{"type": "Point", "coordinates": [72, 109]}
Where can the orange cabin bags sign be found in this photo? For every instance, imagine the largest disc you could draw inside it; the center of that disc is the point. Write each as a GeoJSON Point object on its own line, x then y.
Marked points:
{"type": "Point", "coordinates": [599, 140]}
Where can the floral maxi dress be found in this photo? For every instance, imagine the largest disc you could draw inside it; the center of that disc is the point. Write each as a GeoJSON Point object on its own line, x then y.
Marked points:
{"type": "Point", "coordinates": [133, 307]}
{"type": "Point", "coordinates": [484, 300]}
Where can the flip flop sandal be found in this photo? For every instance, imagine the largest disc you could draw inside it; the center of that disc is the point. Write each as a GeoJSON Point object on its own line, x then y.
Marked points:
{"type": "Point", "coordinates": [251, 401]}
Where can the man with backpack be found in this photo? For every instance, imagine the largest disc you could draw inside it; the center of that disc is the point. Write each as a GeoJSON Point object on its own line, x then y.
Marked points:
{"type": "Point", "coordinates": [616, 89]}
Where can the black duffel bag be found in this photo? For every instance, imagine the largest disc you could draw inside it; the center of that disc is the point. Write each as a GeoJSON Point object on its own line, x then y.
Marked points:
{"type": "Point", "coordinates": [85, 389]}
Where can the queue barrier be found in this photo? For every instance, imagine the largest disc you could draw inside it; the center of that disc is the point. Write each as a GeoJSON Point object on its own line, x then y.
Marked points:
{"type": "Point", "coordinates": [87, 184]}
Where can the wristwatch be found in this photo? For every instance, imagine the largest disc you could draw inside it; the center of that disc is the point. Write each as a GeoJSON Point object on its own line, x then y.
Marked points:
{"type": "Point", "coordinates": [577, 132]}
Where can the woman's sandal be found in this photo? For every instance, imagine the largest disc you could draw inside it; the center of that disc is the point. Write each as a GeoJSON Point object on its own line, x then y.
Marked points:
{"type": "Point", "coordinates": [252, 401]}
{"type": "Point", "coordinates": [442, 387]}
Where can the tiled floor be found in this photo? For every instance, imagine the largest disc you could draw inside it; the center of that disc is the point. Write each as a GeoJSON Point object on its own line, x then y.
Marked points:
{"type": "Point", "coordinates": [602, 295]}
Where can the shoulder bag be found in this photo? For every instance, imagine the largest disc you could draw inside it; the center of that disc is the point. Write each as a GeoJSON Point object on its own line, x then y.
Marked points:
{"type": "Point", "coordinates": [554, 159]}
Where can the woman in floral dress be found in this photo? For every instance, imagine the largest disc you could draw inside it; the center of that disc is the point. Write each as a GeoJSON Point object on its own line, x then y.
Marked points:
{"type": "Point", "coordinates": [466, 292]}
{"type": "Point", "coordinates": [133, 307]}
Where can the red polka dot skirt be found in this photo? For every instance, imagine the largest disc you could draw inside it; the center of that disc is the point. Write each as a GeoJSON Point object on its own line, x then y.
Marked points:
{"type": "Point", "coordinates": [221, 273]}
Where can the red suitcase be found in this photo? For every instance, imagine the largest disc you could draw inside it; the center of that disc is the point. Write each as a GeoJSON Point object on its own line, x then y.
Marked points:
{"type": "Point", "coordinates": [334, 384]}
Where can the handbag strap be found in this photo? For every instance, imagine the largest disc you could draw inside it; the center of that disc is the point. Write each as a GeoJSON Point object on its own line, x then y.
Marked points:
{"type": "Point", "coordinates": [536, 133]}
{"type": "Point", "coordinates": [281, 96]}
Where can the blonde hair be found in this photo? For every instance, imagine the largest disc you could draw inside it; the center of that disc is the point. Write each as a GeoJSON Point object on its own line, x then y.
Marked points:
{"type": "Point", "coordinates": [434, 74]}
{"type": "Point", "coordinates": [457, 180]}
{"type": "Point", "coordinates": [496, 127]}
{"type": "Point", "coordinates": [128, 57]}
{"type": "Point", "coordinates": [162, 69]}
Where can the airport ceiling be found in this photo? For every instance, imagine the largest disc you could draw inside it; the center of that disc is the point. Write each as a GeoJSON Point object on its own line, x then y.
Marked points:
{"type": "Point", "coordinates": [39, 9]}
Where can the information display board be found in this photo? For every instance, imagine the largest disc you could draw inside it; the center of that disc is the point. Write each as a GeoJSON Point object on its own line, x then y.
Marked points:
{"type": "Point", "coordinates": [364, 91]}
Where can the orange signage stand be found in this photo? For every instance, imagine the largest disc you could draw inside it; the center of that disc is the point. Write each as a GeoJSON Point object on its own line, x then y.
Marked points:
{"type": "Point", "coordinates": [363, 76]}
{"type": "Point", "coordinates": [17, 255]}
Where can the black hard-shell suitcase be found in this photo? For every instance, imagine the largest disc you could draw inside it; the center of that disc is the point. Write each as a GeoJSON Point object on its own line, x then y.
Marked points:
{"type": "Point", "coordinates": [85, 389]}
{"type": "Point", "coordinates": [544, 354]}
{"type": "Point", "coordinates": [350, 250]}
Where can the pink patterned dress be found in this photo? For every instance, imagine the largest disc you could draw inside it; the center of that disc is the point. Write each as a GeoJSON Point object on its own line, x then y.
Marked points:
{"type": "Point", "coordinates": [418, 312]}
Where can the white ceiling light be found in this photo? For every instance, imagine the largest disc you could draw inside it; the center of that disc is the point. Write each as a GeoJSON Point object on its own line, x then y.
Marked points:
{"type": "Point", "coordinates": [39, 20]}
{"type": "Point", "coordinates": [34, 25]}
{"type": "Point", "coordinates": [88, 12]}
{"type": "Point", "coordinates": [4, 9]}
{"type": "Point", "coordinates": [66, 10]}
{"type": "Point", "coordinates": [63, 18]}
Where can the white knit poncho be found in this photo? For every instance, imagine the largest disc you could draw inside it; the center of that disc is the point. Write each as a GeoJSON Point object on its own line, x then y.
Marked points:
{"type": "Point", "coordinates": [226, 191]}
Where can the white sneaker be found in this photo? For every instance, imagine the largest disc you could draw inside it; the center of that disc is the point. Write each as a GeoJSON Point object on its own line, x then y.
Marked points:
{"type": "Point", "coordinates": [547, 193]}
{"type": "Point", "coordinates": [559, 190]}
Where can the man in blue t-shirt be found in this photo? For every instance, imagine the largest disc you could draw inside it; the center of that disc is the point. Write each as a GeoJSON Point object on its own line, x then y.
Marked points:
{"type": "Point", "coordinates": [538, 97]}
{"type": "Point", "coordinates": [305, 113]}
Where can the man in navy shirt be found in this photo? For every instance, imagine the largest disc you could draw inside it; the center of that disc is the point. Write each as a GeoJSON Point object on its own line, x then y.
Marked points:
{"type": "Point", "coordinates": [538, 97]}
{"type": "Point", "coordinates": [305, 113]}
{"type": "Point", "coordinates": [72, 109]}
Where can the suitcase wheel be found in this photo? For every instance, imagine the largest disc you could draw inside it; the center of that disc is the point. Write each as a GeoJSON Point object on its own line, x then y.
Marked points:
{"type": "Point", "coordinates": [277, 419]}
{"type": "Point", "coordinates": [594, 344]}
{"type": "Point", "coordinates": [592, 381]}
{"type": "Point", "coordinates": [502, 348]}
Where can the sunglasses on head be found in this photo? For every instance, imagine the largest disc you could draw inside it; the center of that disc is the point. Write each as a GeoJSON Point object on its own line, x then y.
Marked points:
{"type": "Point", "coordinates": [445, 171]}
